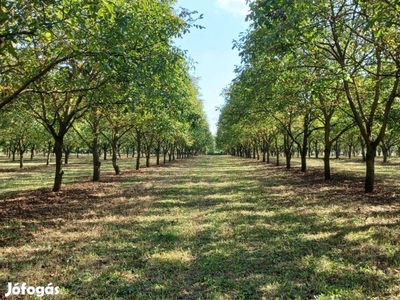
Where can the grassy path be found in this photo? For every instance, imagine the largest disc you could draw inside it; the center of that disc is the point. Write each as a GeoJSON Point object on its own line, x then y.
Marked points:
{"type": "Point", "coordinates": [203, 228]}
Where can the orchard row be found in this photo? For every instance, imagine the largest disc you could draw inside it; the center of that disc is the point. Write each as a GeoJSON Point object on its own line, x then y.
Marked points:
{"type": "Point", "coordinates": [94, 74]}
{"type": "Point", "coordinates": [316, 74]}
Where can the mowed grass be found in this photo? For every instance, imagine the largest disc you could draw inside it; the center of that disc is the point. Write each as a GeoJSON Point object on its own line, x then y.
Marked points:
{"type": "Point", "coordinates": [210, 227]}
{"type": "Point", "coordinates": [36, 175]}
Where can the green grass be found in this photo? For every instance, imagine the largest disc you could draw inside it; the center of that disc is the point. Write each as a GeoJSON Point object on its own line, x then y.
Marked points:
{"type": "Point", "coordinates": [211, 227]}
{"type": "Point", "coordinates": [36, 175]}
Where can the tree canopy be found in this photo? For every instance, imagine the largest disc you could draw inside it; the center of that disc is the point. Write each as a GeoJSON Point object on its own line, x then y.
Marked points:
{"type": "Point", "coordinates": [316, 65]}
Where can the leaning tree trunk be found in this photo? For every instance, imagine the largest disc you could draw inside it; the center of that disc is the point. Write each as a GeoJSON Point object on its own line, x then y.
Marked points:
{"type": "Point", "coordinates": [58, 146]}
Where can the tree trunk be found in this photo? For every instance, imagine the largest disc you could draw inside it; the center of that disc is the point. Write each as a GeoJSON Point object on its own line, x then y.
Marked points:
{"type": "Point", "coordinates": [96, 164]}
{"type": "Point", "coordinates": [48, 158]}
{"type": "Point", "coordinates": [21, 158]}
{"type": "Point", "coordinates": [304, 146]}
{"type": "Point", "coordinates": [337, 150]}
{"type": "Point", "coordinates": [370, 164]}
{"type": "Point", "coordinates": [49, 148]}
{"type": "Point", "coordinates": [114, 161]}
{"type": "Point", "coordinates": [119, 150]}
{"type": "Point", "coordinates": [147, 158]}
{"type": "Point", "coordinates": [105, 152]}
{"type": "Point", "coordinates": [13, 154]}
{"type": "Point", "coordinates": [362, 144]}
{"type": "Point", "coordinates": [277, 152]}
{"type": "Point", "coordinates": [139, 149]}
{"type": "Point", "coordinates": [385, 153]}
{"type": "Point", "coordinates": [32, 152]}
{"type": "Point", "coordinates": [21, 150]}
{"type": "Point", "coordinates": [96, 155]}
{"type": "Point", "coordinates": [66, 157]}
{"type": "Point", "coordinates": [287, 144]}
{"type": "Point", "coordinates": [327, 145]}
{"type": "Point", "coordinates": [114, 147]}
{"type": "Point", "coordinates": [327, 161]}
{"type": "Point", "coordinates": [158, 150]}
{"type": "Point", "coordinates": [58, 146]}
{"type": "Point", "coordinates": [385, 156]}
{"type": "Point", "coordinates": [303, 154]}
{"type": "Point", "coordinates": [133, 146]}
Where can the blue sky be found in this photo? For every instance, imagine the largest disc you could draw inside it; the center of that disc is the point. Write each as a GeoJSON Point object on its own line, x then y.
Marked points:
{"type": "Point", "coordinates": [211, 48]}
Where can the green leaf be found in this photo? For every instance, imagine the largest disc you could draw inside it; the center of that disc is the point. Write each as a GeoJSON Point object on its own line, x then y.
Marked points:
{"type": "Point", "coordinates": [101, 12]}
{"type": "Point", "coordinates": [110, 8]}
